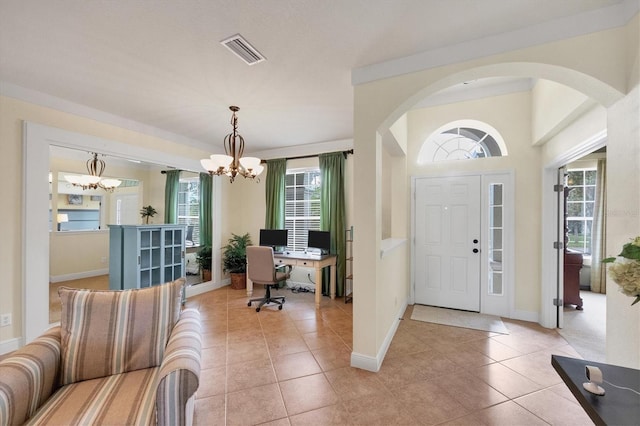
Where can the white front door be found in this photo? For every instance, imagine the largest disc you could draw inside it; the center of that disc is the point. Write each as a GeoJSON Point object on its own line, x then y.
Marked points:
{"type": "Point", "coordinates": [447, 242]}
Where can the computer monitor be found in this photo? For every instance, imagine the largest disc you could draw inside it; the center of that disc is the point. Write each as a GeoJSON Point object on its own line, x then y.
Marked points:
{"type": "Point", "coordinates": [320, 240]}
{"type": "Point", "coordinates": [274, 238]}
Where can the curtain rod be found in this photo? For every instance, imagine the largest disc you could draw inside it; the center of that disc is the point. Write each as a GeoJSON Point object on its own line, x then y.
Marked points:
{"type": "Point", "coordinates": [345, 153]}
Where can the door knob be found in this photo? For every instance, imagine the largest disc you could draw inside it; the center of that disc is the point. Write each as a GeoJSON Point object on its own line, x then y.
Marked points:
{"type": "Point", "coordinates": [475, 250]}
{"type": "Point", "coordinates": [475, 241]}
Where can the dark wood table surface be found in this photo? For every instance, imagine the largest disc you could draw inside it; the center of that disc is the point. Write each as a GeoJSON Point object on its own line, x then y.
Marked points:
{"type": "Point", "coordinates": [616, 406]}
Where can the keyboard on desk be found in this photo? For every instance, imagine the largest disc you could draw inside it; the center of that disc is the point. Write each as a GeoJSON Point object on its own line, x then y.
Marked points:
{"type": "Point", "coordinates": [299, 255]}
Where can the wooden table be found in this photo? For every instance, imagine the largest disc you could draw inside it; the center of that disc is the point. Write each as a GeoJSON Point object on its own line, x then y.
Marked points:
{"type": "Point", "coordinates": [616, 406]}
{"type": "Point", "coordinates": [318, 262]}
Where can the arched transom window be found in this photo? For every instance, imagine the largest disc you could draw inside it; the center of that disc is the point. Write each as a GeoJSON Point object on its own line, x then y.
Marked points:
{"type": "Point", "coordinates": [462, 140]}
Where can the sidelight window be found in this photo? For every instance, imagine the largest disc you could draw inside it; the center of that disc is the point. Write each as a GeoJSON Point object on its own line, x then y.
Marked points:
{"type": "Point", "coordinates": [496, 238]}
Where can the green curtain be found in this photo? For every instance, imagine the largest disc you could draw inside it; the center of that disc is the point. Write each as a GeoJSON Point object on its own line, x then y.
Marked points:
{"type": "Point", "coordinates": [274, 191]}
{"type": "Point", "coordinates": [332, 215]}
{"type": "Point", "coordinates": [206, 183]}
{"type": "Point", "coordinates": [171, 188]}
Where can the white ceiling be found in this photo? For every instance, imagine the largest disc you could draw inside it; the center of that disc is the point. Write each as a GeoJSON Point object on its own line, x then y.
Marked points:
{"type": "Point", "coordinates": [158, 67]}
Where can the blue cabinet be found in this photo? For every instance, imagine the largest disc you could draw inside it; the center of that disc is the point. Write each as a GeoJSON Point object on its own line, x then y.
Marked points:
{"type": "Point", "coordinates": [145, 255]}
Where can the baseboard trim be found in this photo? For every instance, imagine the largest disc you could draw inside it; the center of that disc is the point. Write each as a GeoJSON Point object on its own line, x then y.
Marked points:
{"type": "Point", "coordinates": [526, 316]}
{"type": "Point", "coordinates": [78, 275]}
{"type": "Point", "coordinates": [11, 345]}
{"type": "Point", "coordinates": [365, 362]}
{"type": "Point", "coordinates": [369, 363]}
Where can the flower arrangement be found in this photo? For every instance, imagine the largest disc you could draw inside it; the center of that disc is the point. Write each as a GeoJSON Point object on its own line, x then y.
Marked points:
{"type": "Point", "coordinates": [625, 269]}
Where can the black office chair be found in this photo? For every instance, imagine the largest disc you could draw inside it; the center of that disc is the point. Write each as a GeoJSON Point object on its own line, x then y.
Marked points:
{"type": "Point", "coordinates": [261, 270]}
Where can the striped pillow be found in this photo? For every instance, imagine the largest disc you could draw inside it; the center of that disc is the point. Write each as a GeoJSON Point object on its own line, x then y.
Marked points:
{"type": "Point", "coordinates": [111, 332]}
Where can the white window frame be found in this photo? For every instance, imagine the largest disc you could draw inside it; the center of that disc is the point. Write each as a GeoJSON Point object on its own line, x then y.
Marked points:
{"type": "Point", "coordinates": [297, 236]}
{"type": "Point", "coordinates": [190, 219]}
{"type": "Point", "coordinates": [584, 218]}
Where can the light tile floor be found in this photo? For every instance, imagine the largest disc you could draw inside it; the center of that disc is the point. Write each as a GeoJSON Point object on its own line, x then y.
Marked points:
{"type": "Point", "coordinates": [291, 367]}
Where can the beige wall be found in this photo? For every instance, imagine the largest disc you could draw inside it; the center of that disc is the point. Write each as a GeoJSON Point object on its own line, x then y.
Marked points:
{"type": "Point", "coordinates": [554, 106]}
{"type": "Point", "coordinates": [623, 223]}
{"type": "Point", "coordinates": [78, 254]}
{"type": "Point", "coordinates": [597, 65]}
{"type": "Point", "coordinates": [386, 193]}
{"type": "Point", "coordinates": [592, 122]}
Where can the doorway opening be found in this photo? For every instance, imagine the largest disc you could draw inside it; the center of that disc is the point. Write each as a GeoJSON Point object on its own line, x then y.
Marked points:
{"type": "Point", "coordinates": [584, 283]}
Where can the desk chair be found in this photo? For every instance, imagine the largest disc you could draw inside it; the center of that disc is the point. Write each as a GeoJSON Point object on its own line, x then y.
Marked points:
{"type": "Point", "coordinates": [261, 270]}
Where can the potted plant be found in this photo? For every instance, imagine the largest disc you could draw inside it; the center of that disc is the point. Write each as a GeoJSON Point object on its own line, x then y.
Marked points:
{"type": "Point", "coordinates": [147, 212]}
{"type": "Point", "coordinates": [203, 257]}
{"type": "Point", "coordinates": [234, 260]}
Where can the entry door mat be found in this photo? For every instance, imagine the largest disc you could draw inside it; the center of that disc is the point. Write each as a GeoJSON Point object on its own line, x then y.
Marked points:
{"type": "Point", "coordinates": [457, 318]}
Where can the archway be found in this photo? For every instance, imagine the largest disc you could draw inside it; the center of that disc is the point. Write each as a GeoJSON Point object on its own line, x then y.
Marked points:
{"type": "Point", "coordinates": [578, 64]}
{"type": "Point", "coordinates": [597, 90]}
{"type": "Point", "coordinates": [601, 92]}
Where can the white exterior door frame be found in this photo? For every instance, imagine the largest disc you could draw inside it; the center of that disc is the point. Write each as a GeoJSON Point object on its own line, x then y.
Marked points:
{"type": "Point", "coordinates": [504, 304]}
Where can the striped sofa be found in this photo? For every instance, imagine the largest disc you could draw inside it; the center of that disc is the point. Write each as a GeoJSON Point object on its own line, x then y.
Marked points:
{"type": "Point", "coordinates": [127, 357]}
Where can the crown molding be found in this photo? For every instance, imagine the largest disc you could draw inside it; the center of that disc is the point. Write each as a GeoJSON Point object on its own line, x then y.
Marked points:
{"type": "Point", "coordinates": [558, 29]}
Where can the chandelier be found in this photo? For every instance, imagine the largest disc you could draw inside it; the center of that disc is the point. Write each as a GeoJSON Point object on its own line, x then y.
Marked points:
{"type": "Point", "coordinates": [93, 180]}
{"type": "Point", "coordinates": [233, 163]}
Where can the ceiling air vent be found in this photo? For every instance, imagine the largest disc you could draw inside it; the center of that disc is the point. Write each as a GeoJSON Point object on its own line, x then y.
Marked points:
{"type": "Point", "coordinates": [242, 49]}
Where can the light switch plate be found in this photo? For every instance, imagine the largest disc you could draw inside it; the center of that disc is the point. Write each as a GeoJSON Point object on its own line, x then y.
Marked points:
{"type": "Point", "coordinates": [5, 320]}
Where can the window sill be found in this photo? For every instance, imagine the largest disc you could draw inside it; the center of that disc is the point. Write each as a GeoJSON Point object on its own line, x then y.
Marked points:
{"type": "Point", "coordinates": [390, 244]}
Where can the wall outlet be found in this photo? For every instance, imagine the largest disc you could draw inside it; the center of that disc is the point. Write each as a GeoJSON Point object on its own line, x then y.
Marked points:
{"type": "Point", "coordinates": [5, 320]}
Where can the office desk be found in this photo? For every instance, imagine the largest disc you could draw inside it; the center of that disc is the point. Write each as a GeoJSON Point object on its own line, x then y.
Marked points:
{"type": "Point", "coordinates": [307, 261]}
{"type": "Point", "coordinates": [616, 406]}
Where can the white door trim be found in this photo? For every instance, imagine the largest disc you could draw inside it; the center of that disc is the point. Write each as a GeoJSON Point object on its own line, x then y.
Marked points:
{"type": "Point", "coordinates": [548, 314]}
